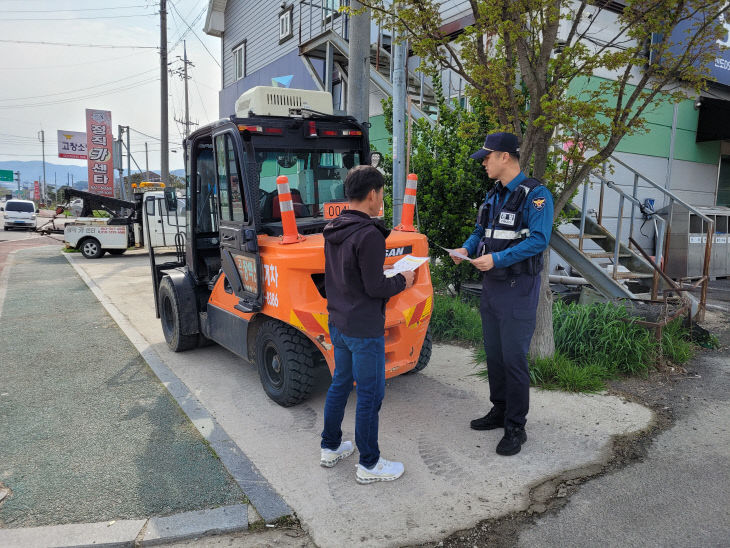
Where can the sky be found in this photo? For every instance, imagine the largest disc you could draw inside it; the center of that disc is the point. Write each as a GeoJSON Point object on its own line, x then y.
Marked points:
{"type": "Point", "coordinates": [48, 87]}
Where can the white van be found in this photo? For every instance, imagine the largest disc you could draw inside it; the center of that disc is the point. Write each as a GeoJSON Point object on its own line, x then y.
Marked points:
{"type": "Point", "coordinates": [19, 214]}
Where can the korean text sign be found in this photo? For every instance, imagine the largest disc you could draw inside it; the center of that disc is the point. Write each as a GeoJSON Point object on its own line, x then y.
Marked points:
{"type": "Point", "coordinates": [72, 144]}
{"type": "Point", "coordinates": [99, 144]}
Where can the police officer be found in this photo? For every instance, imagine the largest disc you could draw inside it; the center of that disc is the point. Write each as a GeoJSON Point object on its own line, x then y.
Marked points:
{"type": "Point", "coordinates": [513, 229]}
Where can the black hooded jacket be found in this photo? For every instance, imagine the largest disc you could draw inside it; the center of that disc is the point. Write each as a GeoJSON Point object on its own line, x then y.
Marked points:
{"type": "Point", "coordinates": [356, 287]}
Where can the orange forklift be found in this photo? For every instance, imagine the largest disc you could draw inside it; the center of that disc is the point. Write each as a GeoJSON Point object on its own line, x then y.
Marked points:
{"type": "Point", "coordinates": [249, 271]}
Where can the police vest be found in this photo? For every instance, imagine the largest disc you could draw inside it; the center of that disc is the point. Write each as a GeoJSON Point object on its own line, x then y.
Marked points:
{"type": "Point", "coordinates": [505, 227]}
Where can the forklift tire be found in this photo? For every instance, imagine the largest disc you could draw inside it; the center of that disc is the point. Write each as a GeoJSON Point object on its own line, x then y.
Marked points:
{"type": "Point", "coordinates": [116, 251]}
{"type": "Point", "coordinates": [91, 248]}
{"type": "Point", "coordinates": [171, 321]}
{"type": "Point", "coordinates": [285, 360]}
{"type": "Point", "coordinates": [425, 356]}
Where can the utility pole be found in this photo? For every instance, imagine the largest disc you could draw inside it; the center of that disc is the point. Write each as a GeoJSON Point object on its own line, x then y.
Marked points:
{"type": "Point", "coordinates": [42, 138]}
{"type": "Point", "coordinates": [17, 174]}
{"type": "Point", "coordinates": [129, 165]}
{"type": "Point", "coordinates": [118, 161]}
{"type": "Point", "coordinates": [164, 153]}
{"type": "Point", "coordinates": [399, 126]}
{"type": "Point", "coordinates": [184, 75]}
{"type": "Point", "coordinates": [358, 82]}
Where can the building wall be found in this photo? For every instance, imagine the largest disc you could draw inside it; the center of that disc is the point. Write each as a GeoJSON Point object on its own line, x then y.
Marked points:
{"type": "Point", "coordinates": [289, 64]}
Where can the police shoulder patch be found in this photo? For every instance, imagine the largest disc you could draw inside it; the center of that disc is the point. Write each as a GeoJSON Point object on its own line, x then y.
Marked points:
{"type": "Point", "coordinates": [538, 203]}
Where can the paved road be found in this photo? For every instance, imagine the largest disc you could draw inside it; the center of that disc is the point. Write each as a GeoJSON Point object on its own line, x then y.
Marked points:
{"type": "Point", "coordinates": [453, 477]}
{"type": "Point", "coordinates": [88, 431]}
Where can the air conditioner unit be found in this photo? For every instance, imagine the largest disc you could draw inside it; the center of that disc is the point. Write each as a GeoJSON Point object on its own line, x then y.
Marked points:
{"type": "Point", "coordinates": [271, 101]}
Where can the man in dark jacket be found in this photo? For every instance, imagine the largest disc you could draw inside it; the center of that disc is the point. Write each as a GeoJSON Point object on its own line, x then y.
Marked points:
{"type": "Point", "coordinates": [357, 291]}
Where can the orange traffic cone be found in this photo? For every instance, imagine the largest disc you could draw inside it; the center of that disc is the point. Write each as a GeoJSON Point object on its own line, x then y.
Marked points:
{"type": "Point", "coordinates": [409, 205]}
{"type": "Point", "coordinates": [286, 206]}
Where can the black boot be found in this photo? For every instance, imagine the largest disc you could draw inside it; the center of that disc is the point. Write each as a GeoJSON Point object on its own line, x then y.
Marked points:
{"type": "Point", "coordinates": [511, 443]}
{"type": "Point", "coordinates": [490, 421]}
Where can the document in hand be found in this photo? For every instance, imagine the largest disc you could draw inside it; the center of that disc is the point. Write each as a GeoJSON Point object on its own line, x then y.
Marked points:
{"type": "Point", "coordinates": [409, 262]}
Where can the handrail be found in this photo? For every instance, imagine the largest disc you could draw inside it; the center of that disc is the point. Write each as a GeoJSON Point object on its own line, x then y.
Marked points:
{"type": "Point", "coordinates": [663, 227]}
{"type": "Point", "coordinates": [663, 190]}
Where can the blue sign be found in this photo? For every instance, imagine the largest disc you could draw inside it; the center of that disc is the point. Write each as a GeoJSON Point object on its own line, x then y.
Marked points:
{"type": "Point", "coordinates": [720, 66]}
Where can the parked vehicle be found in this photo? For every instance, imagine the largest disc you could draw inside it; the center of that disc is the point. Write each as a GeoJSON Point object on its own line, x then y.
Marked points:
{"type": "Point", "coordinates": [125, 226]}
{"type": "Point", "coordinates": [242, 278]}
{"type": "Point", "coordinates": [19, 214]}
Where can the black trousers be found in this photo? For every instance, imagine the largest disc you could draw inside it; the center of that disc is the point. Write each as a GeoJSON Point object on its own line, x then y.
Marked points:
{"type": "Point", "coordinates": [508, 308]}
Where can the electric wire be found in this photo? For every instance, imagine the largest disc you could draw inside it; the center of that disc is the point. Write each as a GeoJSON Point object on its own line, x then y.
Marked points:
{"type": "Point", "coordinates": [79, 9]}
{"type": "Point", "coordinates": [112, 82]}
{"type": "Point", "coordinates": [14, 19]}
{"type": "Point", "coordinates": [129, 86]}
{"type": "Point", "coordinates": [49, 67]}
{"type": "Point", "coordinates": [106, 46]}
{"type": "Point", "coordinates": [196, 35]}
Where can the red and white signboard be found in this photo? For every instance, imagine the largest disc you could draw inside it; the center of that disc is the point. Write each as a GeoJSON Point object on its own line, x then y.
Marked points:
{"type": "Point", "coordinates": [99, 143]}
{"type": "Point", "coordinates": [37, 192]}
{"type": "Point", "coordinates": [72, 144]}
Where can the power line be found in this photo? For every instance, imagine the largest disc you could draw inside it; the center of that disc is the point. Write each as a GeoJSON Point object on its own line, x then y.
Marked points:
{"type": "Point", "coordinates": [77, 45]}
{"type": "Point", "coordinates": [77, 18]}
{"type": "Point", "coordinates": [196, 35]}
{"type": "Point", "coordinates": [186, 32]}
{"type": "Point", "coordinates": [47, 67]}
{"type": "Point", "coordinates": [112, 82]}
{"type": "Point", "coordinates": [131, 85]}
{"type": "Point", "coordinates": [78, 9]}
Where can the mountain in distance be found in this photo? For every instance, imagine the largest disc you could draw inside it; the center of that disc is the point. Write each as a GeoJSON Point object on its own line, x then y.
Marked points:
{"type": "Point", "coordinates": [60, 173]}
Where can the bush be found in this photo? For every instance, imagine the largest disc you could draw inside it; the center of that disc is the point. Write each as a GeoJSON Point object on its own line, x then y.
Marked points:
{"type": "Point", "coordinates": [603, 334]}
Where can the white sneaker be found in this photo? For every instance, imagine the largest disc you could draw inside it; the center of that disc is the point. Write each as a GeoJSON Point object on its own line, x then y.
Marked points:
{"type": "Point", "coordinates": [384, 470]}
{"type": "Point", "coordinates": [329, 457]}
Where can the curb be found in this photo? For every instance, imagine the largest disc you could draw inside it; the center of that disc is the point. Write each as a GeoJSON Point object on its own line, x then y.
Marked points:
{"type": "Point", "coordinates": [140, 532]}
{"type": "Point", "coordinates": [257, 489]}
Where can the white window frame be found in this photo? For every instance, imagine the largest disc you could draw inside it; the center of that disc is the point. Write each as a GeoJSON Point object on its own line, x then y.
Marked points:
{"type": "Point", "coordinates": [239, 61]}
{"type": "Point", "coordinates": [286, 23]}
{"type": "Point", "coordinates": [332, 9]}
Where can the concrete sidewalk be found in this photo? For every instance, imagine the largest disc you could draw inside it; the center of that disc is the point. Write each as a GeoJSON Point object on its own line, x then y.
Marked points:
{"type": "Point", "coordinates": [453, 477]}
{"type": "Point", "coordinates": [94, 447]}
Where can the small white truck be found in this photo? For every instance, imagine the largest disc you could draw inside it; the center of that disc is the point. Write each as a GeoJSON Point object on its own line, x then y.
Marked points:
{"type": "Point", "coordinates": [94, 236]}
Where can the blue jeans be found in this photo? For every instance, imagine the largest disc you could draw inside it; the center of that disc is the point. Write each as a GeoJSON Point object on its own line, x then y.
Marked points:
{"type": "Point", "coordinates": [361, 360]}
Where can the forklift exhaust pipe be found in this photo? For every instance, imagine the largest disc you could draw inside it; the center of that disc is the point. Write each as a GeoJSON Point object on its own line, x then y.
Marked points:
{"type": "Point", "coordinates": [409, 205]}
{"type": "Point", "coordinates": [286, 206]}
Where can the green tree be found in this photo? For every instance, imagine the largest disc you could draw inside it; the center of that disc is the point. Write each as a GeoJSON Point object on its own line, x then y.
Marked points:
{"type": "Point", "coordinates": [450, 184]}
{"type": "Point", "coordinates": [523, 61]}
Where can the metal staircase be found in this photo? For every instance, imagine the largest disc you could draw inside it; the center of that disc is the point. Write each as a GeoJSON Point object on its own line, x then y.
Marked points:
{"type": "Point", "coordinates": [327, 41]}
{"type": "Point", "coordinates": [594, 250]}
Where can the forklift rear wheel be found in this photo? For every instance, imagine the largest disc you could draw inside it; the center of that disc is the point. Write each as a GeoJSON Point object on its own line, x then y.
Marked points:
{"type": "Point", "coordinates": [91, 248]}
{"type": "Point", "coordinates": [170, 318]}
{"type": "Point", "coordinates": [285, 360]}
{"type": "Point", "coordinates": [425, 356]}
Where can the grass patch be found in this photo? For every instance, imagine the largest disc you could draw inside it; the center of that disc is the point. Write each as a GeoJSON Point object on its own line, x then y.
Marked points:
{"type": "Point", "coordinates": [603, 334]}
{"type": "Point", "coordinates": [594, 343]}
{"type": "Point", "coordinates": [676, 344]}
{"type": "Point", "coordinates": [454, 320]}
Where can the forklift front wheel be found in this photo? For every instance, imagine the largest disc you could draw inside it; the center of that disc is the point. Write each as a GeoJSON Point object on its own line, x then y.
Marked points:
{"type": "Point", "coordinates": [170, 317]}
{"type": "Point", "coordinates": [91, 248]}
{"type": "Point", "coordinates": [425, 356]}
{"type": "Point", "coordinates": [285, 360]}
